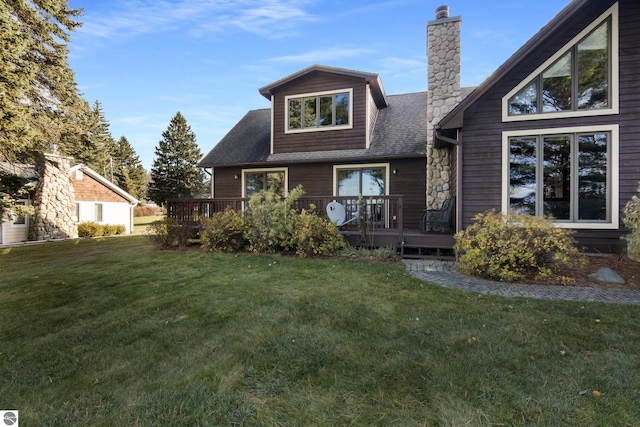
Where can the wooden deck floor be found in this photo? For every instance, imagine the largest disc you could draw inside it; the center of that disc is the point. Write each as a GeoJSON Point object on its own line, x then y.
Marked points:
{"type": "Point", "coordinates": [410, 244]}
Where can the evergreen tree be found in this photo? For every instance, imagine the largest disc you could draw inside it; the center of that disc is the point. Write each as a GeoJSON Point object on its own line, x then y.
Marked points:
{"type": "Point", "coordinates": [94, 146]}
{"type": "Point", "coordinates": [127, 169]}
{"type": "Point", "coordinates": [174, 172]}
{"type": "Point", "coordinates": [39, 98]}
{"type": "Point", "coordinates": [39, 93]}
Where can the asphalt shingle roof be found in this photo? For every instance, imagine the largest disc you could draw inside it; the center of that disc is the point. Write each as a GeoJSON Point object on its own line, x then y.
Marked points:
{"type": "Point", "coordinates": [400, 131]}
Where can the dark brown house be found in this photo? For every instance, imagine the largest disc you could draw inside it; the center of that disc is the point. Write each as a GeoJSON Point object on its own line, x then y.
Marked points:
{"type": "Point", "coordinates": [552, 132]}
{"type": "Point", "coordinates": [336, 133]}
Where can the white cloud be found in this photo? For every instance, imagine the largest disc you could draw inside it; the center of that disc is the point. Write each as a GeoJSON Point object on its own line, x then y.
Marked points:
{"type": "Point", "coordinates": [267, 18]}
{"type": "Point", "coordinates": [327, 54]}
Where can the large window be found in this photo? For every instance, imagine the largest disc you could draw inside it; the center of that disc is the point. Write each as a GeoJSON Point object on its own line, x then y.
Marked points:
{"type": "Point", "coordinates": [361, 181]}
{"type": "Point", "coordinates": [259, 180]}
{"type": "Point", "coordinates": [363, 185]}
{"type": "Point", "coordinates": [319, 111]}
{"type": "Point", "coordinates": [579, 80]}
{"type": "Point", "coordinates": [569, 175]}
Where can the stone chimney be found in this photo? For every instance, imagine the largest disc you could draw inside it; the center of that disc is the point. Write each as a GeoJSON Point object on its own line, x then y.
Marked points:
{"type": "Point", "coordinates": [443, 54]}
{"type": "Point", "coordinates": [54, 200]}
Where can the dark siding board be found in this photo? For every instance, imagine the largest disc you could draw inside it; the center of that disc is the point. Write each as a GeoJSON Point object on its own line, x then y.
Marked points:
{"type": "Point", "coordinates": [321, 140]}
{"type": "Point", "coordinates": [225, 184]}
{"type": "Point", "coordinates": [410, 183]}
{"type": "Point", "coordinates": [317, 181]}
{"type": "Point", "coordinates": [483, 127]}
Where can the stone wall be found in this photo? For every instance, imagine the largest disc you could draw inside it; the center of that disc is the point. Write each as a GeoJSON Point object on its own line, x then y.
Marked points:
{"type": "Point", "coordinates": [443, 54]}
{"type": "Point", "coordinates": [54, 200]}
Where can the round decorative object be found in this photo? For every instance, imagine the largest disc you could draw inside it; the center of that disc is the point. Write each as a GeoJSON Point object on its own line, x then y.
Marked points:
{"type": "Point", "coordinates": [336, 213]}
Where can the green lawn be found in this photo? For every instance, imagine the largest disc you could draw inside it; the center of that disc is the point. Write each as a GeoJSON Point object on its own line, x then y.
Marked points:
{"type": "Point", "coordinates": [110, 331]}
{"type": "Point", "coordinates": [142, 223]}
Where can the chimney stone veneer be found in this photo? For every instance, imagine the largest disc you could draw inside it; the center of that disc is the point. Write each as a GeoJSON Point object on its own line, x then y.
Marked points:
{"type": "Point", "coordinates": [443, 54]}
{"type": "Point", "coordinates": [54, 200]}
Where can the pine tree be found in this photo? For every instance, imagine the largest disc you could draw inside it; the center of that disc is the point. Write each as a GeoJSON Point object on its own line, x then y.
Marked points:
{"type": "Point", "coordinates": [39, 98]}
{"type": "Point", "coordinates": [39, 93]}
{"type": "Point", "coordinates": [94, 146]}
{"type": "Point", "coordinates": [174, 172]}
{"type": "Point", "coordinates": [127, 169]}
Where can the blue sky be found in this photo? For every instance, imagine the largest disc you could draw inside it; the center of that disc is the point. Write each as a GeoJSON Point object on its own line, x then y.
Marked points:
{"type": "Point", "coordinates": [145, 60]}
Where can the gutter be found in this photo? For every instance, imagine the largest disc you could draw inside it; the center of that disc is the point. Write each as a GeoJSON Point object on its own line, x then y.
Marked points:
{"type": "Point", "coordinates": [447, 139]}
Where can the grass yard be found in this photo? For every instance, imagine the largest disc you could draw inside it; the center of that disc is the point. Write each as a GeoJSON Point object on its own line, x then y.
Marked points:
{"type": "Point", "coordinates": [109, 331]}
{"type": "Point", "coordinates": [142, 223]}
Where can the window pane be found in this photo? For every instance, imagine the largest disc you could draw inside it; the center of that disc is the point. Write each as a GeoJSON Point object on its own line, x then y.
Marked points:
{"type": "Point", "coordinates": [525, 101]}
{"type": "Point", "coordinates": [348, 182]}
{"type": "Point", "coordinates": [295, 114]}
{"type": "Point", "coordinates": [326, 111]}
{"type": "Point", "coordinates": [593, 69]}
{"type": "Point", "coordinates": [342, 109]}
{"type": "Point", "coordinates": [275, 182]}
{"type": "Point", "coordinates": [373, 182]}
{"type": "Point", "coordinates": [98, 212]}
{"type": "Point", "coordinates": [592, 176]}
{"type": "Point", "coordinates": [557, 177]}
{"type": "Point", "coordinates": [310, 113]}
{"type": "Point", "coordinates": [254, 183]}
{"type": "Point", "coordinates": [556, 86]}
{"type": "Point", "coordinates": [20, 219]}
{"type": "Point", "coordinates": [522, 176]}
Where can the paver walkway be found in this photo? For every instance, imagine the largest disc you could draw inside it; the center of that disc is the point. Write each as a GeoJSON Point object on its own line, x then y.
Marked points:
{"type": "Point", "coordinates": [443, 273]}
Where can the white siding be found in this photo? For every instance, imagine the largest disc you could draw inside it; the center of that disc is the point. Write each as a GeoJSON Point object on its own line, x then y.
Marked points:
{"type": "Point", "coordinates": [113, 213]}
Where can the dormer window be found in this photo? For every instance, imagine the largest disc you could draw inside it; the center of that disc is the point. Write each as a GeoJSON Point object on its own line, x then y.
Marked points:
{"type": "Point", "coordinates": [579, 80]}
{"type": "Point", "coordinates": [319, 111]}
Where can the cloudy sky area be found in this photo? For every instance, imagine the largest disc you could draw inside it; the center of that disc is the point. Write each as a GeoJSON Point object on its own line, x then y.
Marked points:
{"type": "Point", "coordinates": [145, 60]}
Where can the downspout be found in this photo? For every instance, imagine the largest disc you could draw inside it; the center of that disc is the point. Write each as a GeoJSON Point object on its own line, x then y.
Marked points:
{"type": "Point", "coordinates": [458, 145]}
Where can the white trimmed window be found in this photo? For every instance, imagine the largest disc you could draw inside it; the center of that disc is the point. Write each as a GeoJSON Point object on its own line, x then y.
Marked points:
{"type": "Point", "coordinates": [97, 212]}
{"type": "Point", "coordinates": [570, 174]}
{"type": "Point", "coordinates": [361, 180]}
{"type": "Point", "coordinates": [20, 221]}
{"type": "Point", "coordinates": [579, 80]}
{"type": "Point", "coordinates": [319, 111]}
{"type": "Point", "coordinates": [369, 181]}
{"type": "Point", "coordinates": [255, 181]}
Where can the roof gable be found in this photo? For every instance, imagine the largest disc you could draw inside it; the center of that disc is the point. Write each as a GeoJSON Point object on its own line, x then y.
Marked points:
{"type": "Point", "coordinates": [102, 180]}
{"type": "Point", "coordinates": [377, 90]}
{"type": "Point", "coordinates": [455, 118]}
{"type": "Point", "coordinates": [400, 131]}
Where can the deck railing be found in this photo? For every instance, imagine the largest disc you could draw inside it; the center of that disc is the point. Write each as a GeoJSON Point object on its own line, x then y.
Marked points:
{"type": "Point", "coordinates": [368, 212]}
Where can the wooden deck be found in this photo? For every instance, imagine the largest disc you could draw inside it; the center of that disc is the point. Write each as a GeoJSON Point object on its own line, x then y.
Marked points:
{"type": "Point", "coordinates": [385, 229]}
{"type": "Point", "coordinates": [411, 243]}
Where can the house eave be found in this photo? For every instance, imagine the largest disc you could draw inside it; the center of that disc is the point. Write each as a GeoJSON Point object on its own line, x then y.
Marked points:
{"type": "Point", "coordinates": [454, 120]}
{"type": "Point", "coordinates": [349, 159]}
{"type": "Point", "coordinates": [95, 175]}
{"type": "Point", "coordinates": [372, 79]}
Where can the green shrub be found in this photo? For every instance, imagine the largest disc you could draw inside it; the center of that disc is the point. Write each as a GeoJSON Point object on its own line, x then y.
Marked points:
{"type": "Point", "coordinates": [90, 229]}
{"type": "Point", "coordinates": [224, 232]}
{"type": "Point", "coordinates": [386, 253]}
{"type": "Point", "coordinates": [109, 230]}
{"type": "Point", "coordinates": [168, 233]}
{"type": "Point", "coordinates": [632, 222]}
{"type": "Point", "coordinates": [120, 229]}
{"type": "Point", "coordinates": [315, 236]}
{"type": "Point", "coordinates": [271, 221]}
{"type": "Point", "coordinates": [516, 247]}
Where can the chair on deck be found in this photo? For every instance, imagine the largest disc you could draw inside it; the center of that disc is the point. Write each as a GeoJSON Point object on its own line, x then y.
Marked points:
{"type": "Point", "coordinates": [434, 219]}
